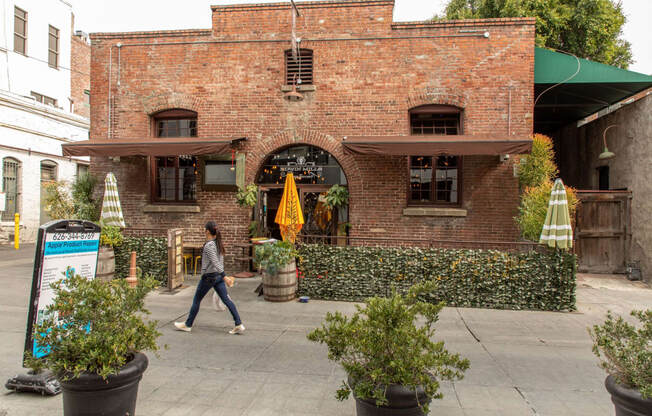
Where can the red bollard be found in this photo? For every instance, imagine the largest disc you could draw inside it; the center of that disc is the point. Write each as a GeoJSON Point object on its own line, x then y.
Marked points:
{"type": "Point", "coordinates": [132, 279]}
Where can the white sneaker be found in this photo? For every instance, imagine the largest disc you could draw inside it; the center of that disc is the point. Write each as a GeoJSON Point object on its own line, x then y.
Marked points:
{"type": "Point", "coordinates": [237, 330]}
{"type": "Point", "coordinates": [181, 326]}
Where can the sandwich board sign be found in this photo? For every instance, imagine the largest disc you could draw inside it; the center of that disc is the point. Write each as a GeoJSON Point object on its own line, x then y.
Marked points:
{"type": "Point", "coordinates": [63, 248]}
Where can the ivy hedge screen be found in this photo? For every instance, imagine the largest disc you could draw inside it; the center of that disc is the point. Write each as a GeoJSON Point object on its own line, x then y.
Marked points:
{"type": "Point", "coordinates": [152, 257]}
{"type": "Point", "coordinates": [468, 278]}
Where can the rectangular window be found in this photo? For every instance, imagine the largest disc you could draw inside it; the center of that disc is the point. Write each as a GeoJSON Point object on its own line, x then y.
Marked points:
{"type": "Point", "coordinates": [44, 99]}
{"type": "Point", "coordinates": [82, 170]}
{"type": "Point", "coordinates": [20, 31]}
{"type": "Point", "coordinates": [53, 47]}
{"type": "Point", "coordinates": [175, 179]}
{"type": "Point", "coordinates": [177, 128]}
{"type": "Point", "coordinates": [434, 180]}
{"type": "Point", "coordinates": [444, 124]}
{"type": "Point", "coordinates": [87, 98]}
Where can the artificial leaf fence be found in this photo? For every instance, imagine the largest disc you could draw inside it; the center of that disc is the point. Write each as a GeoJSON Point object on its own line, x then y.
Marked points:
{"type": "Point", "coordinates": [536, 280]}
{"type": "Point", "coordinates": [152, 256]}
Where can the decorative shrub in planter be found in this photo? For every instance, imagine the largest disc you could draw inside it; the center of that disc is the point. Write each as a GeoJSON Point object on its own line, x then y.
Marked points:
{"type": "Point", "coordinates": [277, 262]}
{"type": "Point", "coordinates": [94, 333]}
{"type": "Point", "coordinates": [393, 365]}
{"type": "Point", "coordinates": [110, 238]}
{"type": "Point", "coordinates": [625, 352]}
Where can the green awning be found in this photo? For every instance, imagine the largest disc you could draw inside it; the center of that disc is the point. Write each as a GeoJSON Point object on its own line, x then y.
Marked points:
{"type": "Point", "coordinates": [596, 86]}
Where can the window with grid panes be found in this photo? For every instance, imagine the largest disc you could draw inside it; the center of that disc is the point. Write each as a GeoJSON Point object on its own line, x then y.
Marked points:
{"type": "Point", "coordinates": [20, 31]}
{"type": "Point", "coordinates": [53, 46]}
{"type": "Point", "coordinates": [175, 177]}
{"type": "Point", "coordinates": [435, 180]}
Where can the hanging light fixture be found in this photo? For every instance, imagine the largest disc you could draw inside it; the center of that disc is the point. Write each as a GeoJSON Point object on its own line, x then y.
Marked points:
{"type": "Point", "coordinates": [606, 154]}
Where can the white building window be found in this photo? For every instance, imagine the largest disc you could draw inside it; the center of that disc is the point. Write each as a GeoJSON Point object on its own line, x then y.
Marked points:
{"type": "Point", "coordinates": [11, 187]}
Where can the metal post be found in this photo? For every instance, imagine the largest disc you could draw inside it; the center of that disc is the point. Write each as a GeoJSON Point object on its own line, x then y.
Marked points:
{"type": "Point", "coordinates": [17, 231]}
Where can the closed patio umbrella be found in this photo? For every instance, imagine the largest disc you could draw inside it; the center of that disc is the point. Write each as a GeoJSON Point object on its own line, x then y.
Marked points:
{"type": "Point", "coordinates": [289, 216]}
{"type": "Point", "coordinates": [557, 231]}
{"type": "Point", "coordinates": [111, 209]}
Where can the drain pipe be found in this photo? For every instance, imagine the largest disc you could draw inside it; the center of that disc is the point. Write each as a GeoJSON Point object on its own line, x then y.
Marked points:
{"type": "Point", "coordinates": [109, 86]}
{"type": "Point", "coordinates": [509, 112]}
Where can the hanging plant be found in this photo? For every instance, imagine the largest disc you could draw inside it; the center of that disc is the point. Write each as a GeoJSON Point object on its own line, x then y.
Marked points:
{"type": "Point", "coordinates": [337, 196]}
{"type": "Point", "coordinates": [248, 196]}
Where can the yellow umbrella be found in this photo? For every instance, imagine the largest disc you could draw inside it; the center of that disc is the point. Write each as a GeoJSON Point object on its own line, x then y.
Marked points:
{"type": "Point", "coordinates": [289, 216]}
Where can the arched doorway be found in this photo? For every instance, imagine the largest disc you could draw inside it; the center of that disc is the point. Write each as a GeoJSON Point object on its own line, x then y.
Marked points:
{"type": "Point", "coordinates": [315, 171]}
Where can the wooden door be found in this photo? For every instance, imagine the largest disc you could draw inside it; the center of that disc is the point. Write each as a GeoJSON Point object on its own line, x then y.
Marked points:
{"type": "Point", "coordinates": [603, 231]}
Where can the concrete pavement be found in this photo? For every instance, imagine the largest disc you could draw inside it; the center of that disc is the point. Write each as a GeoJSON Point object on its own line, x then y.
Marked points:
{"type": "Point", "coordinates": [522, 363]}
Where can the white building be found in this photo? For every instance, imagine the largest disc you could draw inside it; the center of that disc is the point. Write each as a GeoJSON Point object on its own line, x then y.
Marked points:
{"type": "Point", "coordinates": [39, 73]}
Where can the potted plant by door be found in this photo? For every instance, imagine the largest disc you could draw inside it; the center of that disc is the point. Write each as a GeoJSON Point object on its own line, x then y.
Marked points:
{"type": "Point", "coordinates": [337, 197]}
{"type": "Point", "coordinates": [94, 334]}
{"type": "Point", "coordinates": [277, 263]}
{"type": "Point", "coordinates": [393, 365]}
{"type": "Point", "coordinates": [110, 237]}
{"type": "Point", "coordinates": [625, 352]}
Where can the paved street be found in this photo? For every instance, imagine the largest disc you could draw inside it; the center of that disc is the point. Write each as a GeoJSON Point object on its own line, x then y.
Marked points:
{"type": "Point", "coordinates": [522, 363]}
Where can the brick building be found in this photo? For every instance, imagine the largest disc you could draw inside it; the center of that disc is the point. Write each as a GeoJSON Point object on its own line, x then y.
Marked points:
{"type": "Point", "coordinates": [377, 106]}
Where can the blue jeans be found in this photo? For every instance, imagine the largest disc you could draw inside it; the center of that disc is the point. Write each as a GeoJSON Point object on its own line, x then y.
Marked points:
{"type": "Point", "coordinates": [215, 281]}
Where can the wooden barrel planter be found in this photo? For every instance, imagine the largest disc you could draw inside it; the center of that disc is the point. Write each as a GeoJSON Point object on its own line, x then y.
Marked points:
{"type": "Point", "coordinates": [281, 287]}
{"type": "Point", "coordinates": [105, 264]}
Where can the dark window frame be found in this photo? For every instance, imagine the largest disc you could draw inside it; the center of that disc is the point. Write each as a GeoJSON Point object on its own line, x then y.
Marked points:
{"type": "Point", "coordinates": [23, 36]}
{"type": "Point", "coordinates": [170, 115]}
{"type": "Point", "coordinates": [309, 71]}
{"type": "Point", "coordinates": [443, 113]}
{"type": "Point", "coordinates": [44, 99]}
{"type": "Point", "coordinates": [16, 166]}
{"type": "Point", "coordinates": [225, 160]}
{"type": "Point", "coordinates": [53, 53]}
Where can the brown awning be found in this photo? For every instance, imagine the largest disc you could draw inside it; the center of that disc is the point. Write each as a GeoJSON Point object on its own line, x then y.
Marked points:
{"type": "Point", "coordinates": [459, 145]}
{"type": "Point", "coordinates": [160, 146]}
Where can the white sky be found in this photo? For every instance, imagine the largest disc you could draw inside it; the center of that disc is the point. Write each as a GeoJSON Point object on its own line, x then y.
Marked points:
{"type": "Point", "coordinates": [137, 15]}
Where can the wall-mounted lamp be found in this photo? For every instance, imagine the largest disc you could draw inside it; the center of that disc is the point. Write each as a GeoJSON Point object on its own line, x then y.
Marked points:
{"type": "Point", "coordinates": [606, 154]}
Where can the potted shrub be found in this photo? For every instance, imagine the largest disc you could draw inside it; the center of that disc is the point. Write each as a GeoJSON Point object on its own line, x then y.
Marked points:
{"type": "Point", "coordinates": [277, 263]}
{"type": "Point", "coordinates": [336, 198]}
{"type": "Point", "coordinates": [625, 352]}
{"type": "Point", "coordinates": [110, 237]}
{"type": "Point", "coordinates": [393, 365]}
{"type": "Point", "coordinates": [94, 333]}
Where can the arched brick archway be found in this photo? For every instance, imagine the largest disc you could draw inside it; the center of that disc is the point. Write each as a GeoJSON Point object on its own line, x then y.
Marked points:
{"type": "Point", "coordinates": [443, 96]}
{"type": "Point", "coordinates": [153, 105]}
{"type": "Point", "coordinates": [261, 149]}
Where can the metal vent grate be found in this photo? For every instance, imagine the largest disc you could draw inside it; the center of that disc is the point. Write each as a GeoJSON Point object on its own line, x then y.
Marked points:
{"type": "Point", "coordinates": [299, 67]}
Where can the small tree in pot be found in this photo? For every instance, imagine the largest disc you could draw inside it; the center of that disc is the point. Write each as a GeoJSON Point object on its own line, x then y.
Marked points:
{"type": "Point", "coordinates": [625, 352]}
{"type": "Point", "coordinates": [93, 334]}
{"type": "Point", "coordinates": [277, 262]}
{"type": "Point", "coordinates": [392, 363]}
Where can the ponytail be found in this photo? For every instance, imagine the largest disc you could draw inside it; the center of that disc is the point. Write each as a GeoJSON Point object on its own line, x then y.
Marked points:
{"type": "Point", "coordinates": [211, 227]}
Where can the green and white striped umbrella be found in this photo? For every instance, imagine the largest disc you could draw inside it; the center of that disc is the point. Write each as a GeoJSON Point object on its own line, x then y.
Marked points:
{"type": "Point", "coordinates": [557, 231]}
{"type": "Point", "coordinates": [111, 209]}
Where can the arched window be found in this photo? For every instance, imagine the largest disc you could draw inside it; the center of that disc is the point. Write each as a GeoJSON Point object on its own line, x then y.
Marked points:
{"type": "Point", "coordinates": [11, 187]}
{"type": "Point", "coordinates": [49, 171]}
{"type": "Point", "coordinates": [174, 176]}
{"type": "Point", "coordinates": [309, 165]}
{"type": "Point", "coordinates": [298, 69]}
{"type": "Point", "coordinates": [435, 180]}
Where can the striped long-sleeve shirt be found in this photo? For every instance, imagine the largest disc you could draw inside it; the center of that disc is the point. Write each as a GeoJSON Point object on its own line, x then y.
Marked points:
{"type": "Point", "coordinates": [211, 259]}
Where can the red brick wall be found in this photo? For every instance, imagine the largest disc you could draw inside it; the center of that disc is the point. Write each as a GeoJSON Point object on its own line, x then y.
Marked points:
{"type": "Point", "coordinates": [80, 77]}
{"type": "Point", "coordinates": [365, 85]}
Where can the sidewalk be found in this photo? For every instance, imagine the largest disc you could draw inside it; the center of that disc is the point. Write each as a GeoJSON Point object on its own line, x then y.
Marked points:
{"type": "Point", "coordinates": [522, 363]}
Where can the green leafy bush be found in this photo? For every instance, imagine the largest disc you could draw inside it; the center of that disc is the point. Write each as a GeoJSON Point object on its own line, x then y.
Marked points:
{"type": "Point", "coordinates": [85, 207]}
{"type": "Point", "coordinates": [337, 196]}
{"type": "Point", "coordinates": [95, 327]}
{"type": "Point", "coordinates": [272, 256]}
{"type": "Point", "coordinates": [247, 197]}
{"type": "Point", "coordinates": [466, 278]}
{"type": "Point", "coordinates": [111, 236]}
{"type": "Point", "coordinates": [152, 256]}
{"type": "Point", "coordinates": [534, 206]}
{"type": "Point", "coordinates": [625, 352]}
{"type": "Point", "coordinates": [381, 344]}
{"type": "Point", "coordinates": [58, 202]}
{"type": "Point", "coordinates": [539, 166]}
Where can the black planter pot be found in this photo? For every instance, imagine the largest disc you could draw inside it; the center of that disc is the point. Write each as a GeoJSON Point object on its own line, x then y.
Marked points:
{"type": "Point", "coordinates": [628, 402]}
{"type": "Point", "coordinates": [90, 395]}
{"type": "Point", "coordinates": [402, 402]}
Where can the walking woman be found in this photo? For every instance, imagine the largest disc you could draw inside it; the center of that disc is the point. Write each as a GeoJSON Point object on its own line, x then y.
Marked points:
{"type": "Point", "coordinates": [212, 276]}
